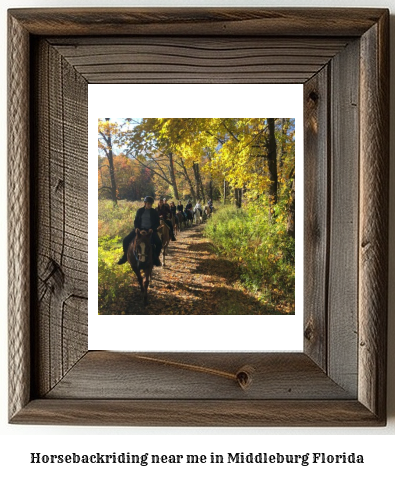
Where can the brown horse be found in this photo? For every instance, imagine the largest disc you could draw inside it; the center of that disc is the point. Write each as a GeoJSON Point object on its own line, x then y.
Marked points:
{"type": "Point", "coordinates": [174, 221]}
{"type": "Point", "coordinates": [140, 258]}
{"type": "Point", "coordinates": [189, 219]}
{"type": "Point", "coordinates": [164, 235]}
{"type": "Point", "coordinates": [181, 220]}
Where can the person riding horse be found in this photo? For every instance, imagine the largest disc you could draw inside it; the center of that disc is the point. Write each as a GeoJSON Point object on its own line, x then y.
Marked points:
{"type": "Point", "coordinates": [210, 204]}
{"type": "Point", "coordinates": [174, 218]}
{"type": "Point", "coordinates": [198, 206]}
{"type": "Point", "coordinates": [165, 214]}
{"type": "Point", "coordinates": [188, 211]}
{"type": "Point", "coordinates": [173, 209]}
{"type": "Point", "coordinates": [146, 219]}
{"type": "Point", "coordinates": [180, 207]}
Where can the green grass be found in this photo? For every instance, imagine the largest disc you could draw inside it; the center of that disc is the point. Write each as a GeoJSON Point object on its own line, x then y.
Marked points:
{"type": "Point", "coordinates": [114, 280]}
{"type": "Point", "coordinates": [118, 220]}
{"type": "Point", "coordinates": [262, 248]}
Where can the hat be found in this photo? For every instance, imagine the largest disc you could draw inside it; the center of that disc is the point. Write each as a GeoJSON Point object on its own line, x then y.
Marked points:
{"type": "Point", "coordinates": [149, 199]}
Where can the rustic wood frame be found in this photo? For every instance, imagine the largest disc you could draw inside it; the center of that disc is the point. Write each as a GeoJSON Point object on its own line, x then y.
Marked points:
{"type": "Point", "coordinates": [342, 57]}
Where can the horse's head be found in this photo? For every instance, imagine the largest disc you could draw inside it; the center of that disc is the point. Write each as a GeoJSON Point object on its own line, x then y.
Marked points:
{"type": "Point", "coordinates": [142, 245]}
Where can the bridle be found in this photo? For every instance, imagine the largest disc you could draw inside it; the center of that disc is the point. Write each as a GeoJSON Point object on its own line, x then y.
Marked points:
{"type": "Point", "coordinates": [141, 256]}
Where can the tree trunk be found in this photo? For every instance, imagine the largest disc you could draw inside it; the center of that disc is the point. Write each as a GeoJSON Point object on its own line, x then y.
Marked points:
{"type": "Point", "coordinates": [291, 212]}
{"type": "Point", "coordinates": [281, 154]}
{"type": "Point", "coordinates": [272, 162]}
{"type": "Point", "coordinates": [112, 177]}
{"type": "Point", "coordinates": [198, 181]}
{"type": "Point", "coordinates": [202, 188]}
{"type": "Point", "coordinates": [111, 166]}
{"type": "Point", "coordinates": [211, 181]}
{"type": "Point", "coordinates": [238, 197]}
{"type": "Point", "coordinates": [173, 176]}
{"type": "Point", "coordinates": [186, 175]}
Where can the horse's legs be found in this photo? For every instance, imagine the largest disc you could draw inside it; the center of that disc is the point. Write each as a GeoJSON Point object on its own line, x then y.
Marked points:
{"type": "Point", "coordinates": [145, 288]}
{"type": "Point", "coordinates": [140, 279]}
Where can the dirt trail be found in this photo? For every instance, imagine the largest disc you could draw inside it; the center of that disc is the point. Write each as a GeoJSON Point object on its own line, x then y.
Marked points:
{"type": "Point", "coordinates": [194, 281]}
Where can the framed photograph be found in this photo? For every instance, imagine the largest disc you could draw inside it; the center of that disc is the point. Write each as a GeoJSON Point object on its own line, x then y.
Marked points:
{"type": "Point", "coordinates": [340, 57]}
{"type": "Point", "coordinates": [200, 275]}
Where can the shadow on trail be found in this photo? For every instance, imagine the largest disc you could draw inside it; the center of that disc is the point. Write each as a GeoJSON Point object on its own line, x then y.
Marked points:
{"type": "Point", "coordinates": [201, 300]}
{"type": "Point", "coordinates": [195, 281]}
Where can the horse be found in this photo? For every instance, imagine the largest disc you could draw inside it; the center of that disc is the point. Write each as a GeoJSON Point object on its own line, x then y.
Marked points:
{"type": "Point", "coordinates": [175, 223]}
{"type": "Point", "coordinates": [181, 220]}
{"type": "Point", "coordinates": [189, 215]}
{"type": "Point", "coordinates": [207, 211]}
{"type": "Point", "coordinates": [140, 258]}
{"type": "Point", "coordinates": [198, 217]}
{"type": "Point", "coordinates": [164, 235]}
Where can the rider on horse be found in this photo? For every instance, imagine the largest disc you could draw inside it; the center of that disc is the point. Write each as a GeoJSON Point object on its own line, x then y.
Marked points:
{"type": "Point", "coordinates": [180, 207]}
{"type": "Point", "coordinates": [189, 210]}
{"type": "Point", "coordinates": [165, 214]}
{"type": "Point", "coordinates": [198, 206]}
{"type": "Point", "coordinates": [146, 219]}
{"type": "Point", "coordinates": [173, 209]}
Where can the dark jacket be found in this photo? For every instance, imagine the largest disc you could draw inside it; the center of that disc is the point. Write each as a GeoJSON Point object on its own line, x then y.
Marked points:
{"type": "Point", "coordinates": [154, 218]}
{"type": "Point", "coordinates": [164, 211]}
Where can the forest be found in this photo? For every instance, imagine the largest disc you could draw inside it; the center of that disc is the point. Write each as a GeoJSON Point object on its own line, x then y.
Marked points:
{"type": "Point", "coordinates": [246, 166]}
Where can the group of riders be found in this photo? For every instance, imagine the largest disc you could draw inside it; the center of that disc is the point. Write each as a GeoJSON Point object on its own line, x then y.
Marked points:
{"type": "Point", "coordinates": [148, 219]}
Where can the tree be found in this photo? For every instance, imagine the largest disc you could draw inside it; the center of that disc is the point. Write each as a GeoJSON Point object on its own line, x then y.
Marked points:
{"type": "Point", "coordinates": [106, 133]}
{"type": "Point", "coordinates": [147, 144]}
{"type": "Point", "coordinates": [187, 178]}
{"type": "Point", "coordinates": [253, 157]}
{"type": "Point", "coordinates": [291, 212]}
{"type": "Point", "coordinates": [272, 163]}
{"type": "Point", "coordinates": [173, 176]}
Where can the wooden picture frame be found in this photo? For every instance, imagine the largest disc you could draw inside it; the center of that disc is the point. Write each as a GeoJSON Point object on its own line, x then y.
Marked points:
{"type": "Point", "coordinates": [342, 58]}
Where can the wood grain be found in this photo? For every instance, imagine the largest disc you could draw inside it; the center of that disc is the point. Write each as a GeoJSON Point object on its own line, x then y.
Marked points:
{"type": "Point", "coordinates": [19, 218]}
{"type": "Point", "coordinates": [316, 214]}
{"type": "Point", "coordinates": [163, 59]}
{"type": "Point", "coordinates": [373, 228]}
{"type": "Point", "coordinates": [284, 376]}
{"type": "Point", "coordinates": [202, 413]}
{"type": "Point", "coordinates": [345, 326]}
{"type": "Point", "coordinates": [343, 253]}
{"type": "Point", "coordinates": [259, 22]}
{"type": "Point", "coordinates": [61, 199]}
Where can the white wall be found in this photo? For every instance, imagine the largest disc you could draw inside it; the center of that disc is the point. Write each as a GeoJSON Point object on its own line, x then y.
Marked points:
{"type": "Point", "coordinates": [21, 440]}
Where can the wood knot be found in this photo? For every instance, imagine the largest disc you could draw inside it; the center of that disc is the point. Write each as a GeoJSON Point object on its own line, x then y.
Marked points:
{"type": "Point", "coordinates": [308, 332]}
{"type": "Point", "coordinates": [60, 184]}
{"type": "Point", "coordinates": [366, 245]}
{"type": "Point", "coordinates": [54, 276]}
{"type": "Point", "coordinates": [313, 96]}
{"type": "Point", "coordinates": [244, 376]}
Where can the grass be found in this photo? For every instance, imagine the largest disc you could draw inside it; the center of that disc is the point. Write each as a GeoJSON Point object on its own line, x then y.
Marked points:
{"type": "Point", "coordinates": [114, 280]}
{"type": "Point", "coordinates": [263, 250]}
{"type": "Point", "coordinates": [260, 246]}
